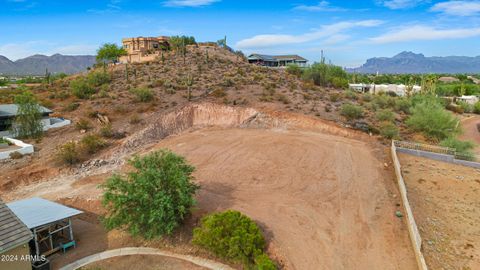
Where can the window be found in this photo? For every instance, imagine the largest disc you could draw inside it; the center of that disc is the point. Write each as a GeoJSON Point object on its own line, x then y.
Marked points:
{"type": "Point", "coordinates": [125, 46]}
{"type": "Point", "coordinates": [155, 45]}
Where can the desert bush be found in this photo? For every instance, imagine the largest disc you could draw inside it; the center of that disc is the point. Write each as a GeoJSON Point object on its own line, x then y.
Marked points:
{"type": "Point", "coordinates": [467, 108]}
{"type": "Point", "coordinates": [81, 88]}
{"type": "Point", "coordinates": [385, 115]}
{"type": "Point", "coordinates": [98, 78]}
{"type": "Point", "coordinates": [219, 92]}
{"type": "Point", "coordinates": [430, 118]}
{"type": "Point", "coordinates": [476, 108]}
{"type": "Point", "coordinates": [367, 97]}
{"type": "Point", "coordinates": [326, 75]}
{"type": "Point", "coordinates": [351, 95]}
{"type": "Point", "coordinates": [459, 146]}
{"type": "Point", "coordinates": [83, 124]}
{"type": "Point", "coordinates": [231, 235]}
{"type": "Point", "coordinates": [351, 111]}
{"type": "Point", "coordinates": [389, 130]}
{"type": "Point", "coordinates": [68, 153]}
{"type": "Point", "coordinates": [334, 97]}
{"type": "Point", "coordinates": [142, 94]}
{"type": "Point", "coordinates": [154, 198]}
{"type": "Point", "coordinates": [16, 155]}
{"type": "Point", "coordinates": [135, 119]}
{"type": "Point", "coordinates": [263, 262]}
{"type": "Point", "coordinates": [91, 144]}
{"type": "Point", "coordinates": [295, 70]}
{"type": "Point", "coordinates": [403, 105]}
{"type": "Point", "coordinates": [71, 107]}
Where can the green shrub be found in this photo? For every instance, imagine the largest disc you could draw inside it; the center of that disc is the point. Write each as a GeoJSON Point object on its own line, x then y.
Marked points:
{"type": "Point", "coordinates": [403, 105]}
{"type": "Point", "coordinates": [263, 262]}
{"type": "Point", "coordinates": [467, 108]}
{"type": "Point", "coordinates": [153, 199]}
{"type": "Point", "coordinates": [334, 97]}
{"type": "Point", "coordinates": [72, 107]}
{"type": "Point", "coordinates": [231, 235]}
{"type": "Point", "coordinates": [142, 94]}
{"type": "Point", "coordinates": [459, 146]}
{"type": "Point", "coordinates": [15, 155]}
{"type": "Point", "coordinates": [351, 111]}
{"type": "Point", "coordinates": [68, 153]}
{"type": "Point", "coordinates": [476, 108]}
{"type": "Point", "coordinates": [98, 78]}
{"type": "Point", "coordinates": [27, 123]}
{"type": "Point", "coordinates": [81, 88]}
{"type": "Point", "coordinates": [351, 95]}
{"type": "Point", "coordinates": [389, 130]}
{"type": "Point", "coordinates": [385, 115]}
{"type": "Point", "coordinates": [92, 144]}
{"type": "Point", "coordinates": [431, 118]}
{"type": "Point", "coordinates": [83, 124]}
{"type": "Point", "coordinates": [294, 70]}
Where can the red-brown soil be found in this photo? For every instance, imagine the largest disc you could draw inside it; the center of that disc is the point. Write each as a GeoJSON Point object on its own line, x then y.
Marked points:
{"type": "Point", "coordinates": [323, 200]}
{"type": "Point", "coordinates": [445, 201]}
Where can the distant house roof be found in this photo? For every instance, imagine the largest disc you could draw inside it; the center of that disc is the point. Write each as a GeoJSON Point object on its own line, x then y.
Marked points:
{"type": "Point", "coordinates": [11, 110]}
{"type": "Point", "coordinates": [35, 212]}
{"type": "Point", "coordinates": [13, 232]}
{"type": "Point", "coordinates": [265, 57]}
{"type": "Point", "coordinates": [289, 57]}
{"type": "Point", "coordinates": [448, 79]}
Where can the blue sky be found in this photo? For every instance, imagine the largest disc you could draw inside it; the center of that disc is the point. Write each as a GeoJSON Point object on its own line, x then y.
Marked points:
{"type": "Point", "coordinates": [349, 32]}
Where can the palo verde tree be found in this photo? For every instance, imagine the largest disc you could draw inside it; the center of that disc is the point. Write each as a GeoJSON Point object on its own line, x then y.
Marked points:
{"type": "Point", "coordinates": [27, 123]}
{"type": "Point", "coordinates": [152, 200]}
{"type": "Point", "coordinates": [110, 52]}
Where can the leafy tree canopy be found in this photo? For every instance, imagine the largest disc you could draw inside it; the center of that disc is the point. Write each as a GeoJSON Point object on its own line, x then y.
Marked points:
{"type": "Point", "coordinates": [27, 123]}
{"type": "Point", "coordinates": [152, 200]}
{"type": "Point", "coordinates": [110, 52]}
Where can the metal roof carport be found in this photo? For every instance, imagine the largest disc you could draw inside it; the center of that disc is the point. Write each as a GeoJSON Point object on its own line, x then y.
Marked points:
{"type": "Point", "coordinates": [45, 219]}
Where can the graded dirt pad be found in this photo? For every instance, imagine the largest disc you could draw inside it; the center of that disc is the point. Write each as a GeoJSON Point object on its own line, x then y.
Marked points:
{"type": "Point", "coordinates": [323, 200]}
{"type": "Point", "coordinates": [144, 262]}
{"type": "Point", "coordinates": [445, 202]}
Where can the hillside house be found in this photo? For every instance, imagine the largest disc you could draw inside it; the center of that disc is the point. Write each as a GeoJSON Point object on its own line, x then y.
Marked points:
{"type": "Point", "coordinates": [398, 89]}
{"type": "Point", "coordinates": [468, 99]}
{"type": "Point", "coordinates": [276, 60]}
{"type": "Point", "coordinates": [140, 47]}
{"type": "Point", "coordinates": [8, 112]}
{"type": "Point", "coordinates": [14, 239]}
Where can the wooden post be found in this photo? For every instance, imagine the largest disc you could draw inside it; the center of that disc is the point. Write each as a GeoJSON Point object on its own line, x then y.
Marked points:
{"type": "Point", "coordinates": [70, 228]}
{"type": "Point", "coordinates": [35, 239]}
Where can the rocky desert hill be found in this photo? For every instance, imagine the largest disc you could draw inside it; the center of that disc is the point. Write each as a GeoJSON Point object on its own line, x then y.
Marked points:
{"type": "Point", "coordinates": [409, 62]}
{"type": "Point", "coordinates": [37, 64]}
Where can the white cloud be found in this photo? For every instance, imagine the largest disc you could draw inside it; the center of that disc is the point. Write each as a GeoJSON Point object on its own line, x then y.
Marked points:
{"type": "Point", "coordinates": [326, 31]}
{"type": "Point", "coordinates": [335, 39]}
{"type": "Point", "coordinates": [458, 8]}
{"type": "Point", "coordinates": [321, 6]}
{"type": "Point", "coordinates": [189, 3]}
{"type": "Point", "coordinates": [422, 32]}
{"type": "Point", "coordinates": [401, 4]}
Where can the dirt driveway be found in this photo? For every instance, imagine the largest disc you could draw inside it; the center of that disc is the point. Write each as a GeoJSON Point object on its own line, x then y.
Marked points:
{"type": "Point", "coordinates": [471, 132]}
{"type": "Point", "coordinates": [323, 200]}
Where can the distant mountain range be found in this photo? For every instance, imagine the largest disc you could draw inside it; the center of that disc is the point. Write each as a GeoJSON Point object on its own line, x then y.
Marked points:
{"type": "Point", "coordinates": [409, 62]}
{"type": "Point", "coordinates": [36, 64]}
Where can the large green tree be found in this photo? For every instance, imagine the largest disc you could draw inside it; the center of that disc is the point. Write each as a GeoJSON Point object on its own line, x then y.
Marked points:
{"type": "Point", "coordinates": [110, 52]}
{"type": "Point", "coordinates": [152, 200]}
{"type": "Point", "coordinates": [27, 123]}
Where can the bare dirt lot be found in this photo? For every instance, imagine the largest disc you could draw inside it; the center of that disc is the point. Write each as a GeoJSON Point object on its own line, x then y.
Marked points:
{"type": "Point", "coordinates": [324, 195]}
{"type": "Point", "coordinates": [445, 201]}
{"type": "Point", "coordinates": [322, 199]}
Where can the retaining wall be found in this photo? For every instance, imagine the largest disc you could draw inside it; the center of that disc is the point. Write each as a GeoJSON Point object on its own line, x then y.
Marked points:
{"type": "Point", "coordinates": [439, 157]}
{"type": "Point", "coordinates": [415, 237]}
{"type": "Point", "coordinates": [24, 150]}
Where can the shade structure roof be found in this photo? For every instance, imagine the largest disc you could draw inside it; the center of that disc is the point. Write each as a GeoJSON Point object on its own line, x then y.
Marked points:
{"type": "Point", "coordinates": [36, 212]}
{"type": "Point", "coordinates": [11, 110]}
{"type": "Point", "coordinates": [12, 230]}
